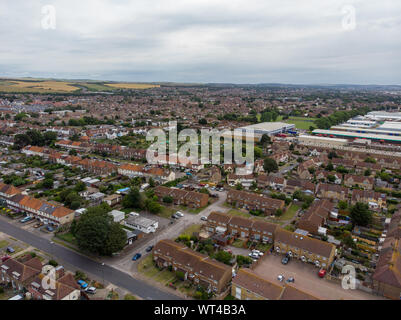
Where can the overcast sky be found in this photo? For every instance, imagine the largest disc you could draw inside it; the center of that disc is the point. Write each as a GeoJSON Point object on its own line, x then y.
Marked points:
{"type": "Point", "coordinates": [236, 41]}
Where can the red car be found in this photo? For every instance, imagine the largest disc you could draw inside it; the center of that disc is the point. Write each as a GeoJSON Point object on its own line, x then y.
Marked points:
{"type": "Point", "coordinates": [5, 258]}
{"type": "Point", "coordinates": [322, 273]}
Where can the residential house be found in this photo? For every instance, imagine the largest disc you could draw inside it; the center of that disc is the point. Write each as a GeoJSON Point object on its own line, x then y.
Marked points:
{"type": "Point", "coordinates": [183, 197]}
{"type": "Point", "coordinates": [19, 272]}
{"type": "Point", "coordinates": [270, 181]}
{"type": "Point", "coordinates": [316, 215]}
{"type": "Point", "coordinates": [62, 287]}
{"type": "Point", "coordinates": [253, 201]}
{"type": "Point", "coordinates": [196, 267]}
{"type": "Point", "coordinates": [387, 275]}
{"type": "Point", "coordinates": [305, 186]}
{"type": "Point", "coordinates": [302, 247]}
{"type": "Point", "coordinates": [248, 285]}
{"type": "Point", "coordinates": [366, 183]}
{"type": "Point", "coordinates": [375, 200]}
{"type": "Point", "coordinates": [332, 191]}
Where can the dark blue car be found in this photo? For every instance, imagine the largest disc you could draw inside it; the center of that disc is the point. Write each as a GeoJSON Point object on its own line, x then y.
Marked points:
{"type": "Point", "coordinates": [136, 256]}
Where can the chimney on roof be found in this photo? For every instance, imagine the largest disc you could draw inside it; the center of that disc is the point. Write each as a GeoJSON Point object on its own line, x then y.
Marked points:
{"type": "Point", "coordinates": [60, 272]}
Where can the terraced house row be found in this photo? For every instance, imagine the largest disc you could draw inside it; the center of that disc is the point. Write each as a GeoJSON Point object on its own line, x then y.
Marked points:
{"type": "Point", "coordinates": [44, 211]}
{"type": "Point", "coordinates": [236, 226]}
{"type": "Point", "coordinates": [387, 276]}
{"type": "Point", "coordinates": [196, 267]}
{"type": "Point", "coordinates": [253, 201]}
{"type": "Point", "coordinates": [191, 199]}
{"type": "Point", "coordinates": [299, 246]}
{"type": "Point", "coordinates": [247, 285]}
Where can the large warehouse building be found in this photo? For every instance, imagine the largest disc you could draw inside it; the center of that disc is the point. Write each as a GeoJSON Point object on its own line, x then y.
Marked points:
{"type": "Point", "coordinates": [269, 128]}
{"type": "Point", "coordinates": [357, 135]}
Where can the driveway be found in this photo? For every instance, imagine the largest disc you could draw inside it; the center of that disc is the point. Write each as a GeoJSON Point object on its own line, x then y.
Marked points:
{"type": "Point", "coordinates": [306, 279]}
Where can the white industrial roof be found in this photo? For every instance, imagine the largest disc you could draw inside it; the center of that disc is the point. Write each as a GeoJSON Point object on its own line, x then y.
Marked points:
{"type": "Point", "coordinates": [323, 138]}
{"type": "Point", "coordinates": [268, 126]}
{"type": "Point", "coordinates": [357, 135]}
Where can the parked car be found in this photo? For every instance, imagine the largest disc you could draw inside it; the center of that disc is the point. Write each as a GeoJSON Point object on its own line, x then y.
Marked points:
{"type": "Point", "coordinates": [39, 224]}
{"type": "Point", "coordinates": [136, 256]}
{"type": "Point", "coordinates": [280, 277]}
{"type": "Point", "coordinates": [259, 253]}
{"type": "Point", "coordinates": [174, 216]}
{"type": "Point", "coordinates": [5, 258]}
{"type": "Point", "coordinates": [203, 218]}
{"type": "Point", "coordinates": [179, 213]}
{"type": "Point", "coordinates": [26, 219]}
{"type": "Point", "coordinates": [285, 260]}
{"type": "Point", "coordinates": [322, 273]}
{"type": "Point", "coordinates": [82, 284]}
{"type": "Point", "coordinates": [91, 290]}
{"type": "Point", "coordinates": [10, 249]}
{"type": "Point", "coordinates": [50, 229]}
{"type": "Point", "coordinates": [254, 255]}
{"type": "Point", "coordinates": [290, 279]}
{"type": "Point", "coordinates": [148, 249]}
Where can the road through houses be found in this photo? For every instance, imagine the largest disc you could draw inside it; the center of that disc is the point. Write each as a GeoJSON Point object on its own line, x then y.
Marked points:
{"type": "Point", "coordinates": [86, 264]}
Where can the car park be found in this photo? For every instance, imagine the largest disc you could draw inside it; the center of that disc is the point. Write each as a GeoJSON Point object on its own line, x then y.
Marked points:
{"type": "Point", "coordinates": [136, 257]}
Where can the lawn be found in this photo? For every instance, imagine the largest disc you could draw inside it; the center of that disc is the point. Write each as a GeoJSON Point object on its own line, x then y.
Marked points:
{"type": "Point", "coordinates": [166, 212]}
{"type": "Point", "coordinates": [236, 212]}
{"type": "Point", "coordinates": [238, 243]}
{"type": "Point", "coordinates": [191, 229]}
{"type": "Point", "coordinates": [67, 237]}
{"type": "Point", "coordinates": [3, 243]}
{"type": "Point", "coordinates": [289, 214]}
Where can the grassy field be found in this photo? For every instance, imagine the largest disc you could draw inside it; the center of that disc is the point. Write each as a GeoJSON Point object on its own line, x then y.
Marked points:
{"type": "Point", "coordinates": [59, 86]}
{"type": "Point", "coordinates": [37, 86]}
{"type": "Point", "coordinates": [301, 122]}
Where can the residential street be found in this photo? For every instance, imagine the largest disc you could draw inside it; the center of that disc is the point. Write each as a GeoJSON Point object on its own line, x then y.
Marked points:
{"type": "Point", "coordinates": [86, 264]}
{"type": "Point", "coordinates": [126, 264]}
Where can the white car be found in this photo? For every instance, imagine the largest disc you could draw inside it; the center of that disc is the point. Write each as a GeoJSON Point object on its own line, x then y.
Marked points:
{"type": "Point", "coordinates": [280, 277]}
{"type": "Point", "coordinates": [259, 253]}
{"type": "Point", "coordinates": [254, 255]}
{"type": "Point", "coordinates": [91, 290]}
{"type": "Point", "coordinates": [179, 213]}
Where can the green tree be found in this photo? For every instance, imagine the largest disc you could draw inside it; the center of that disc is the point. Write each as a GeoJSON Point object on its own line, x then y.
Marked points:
{"type": "Point", "coordinates": [224, 257]}
{"type": "Point", "coordinates": [360, 214]}
{"type": "Point", "coordinates": [96, 232]}
{"type": "Point", "coordinates": [270, 165]}
{"type": "Point", "coordinates": [133, 199]}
